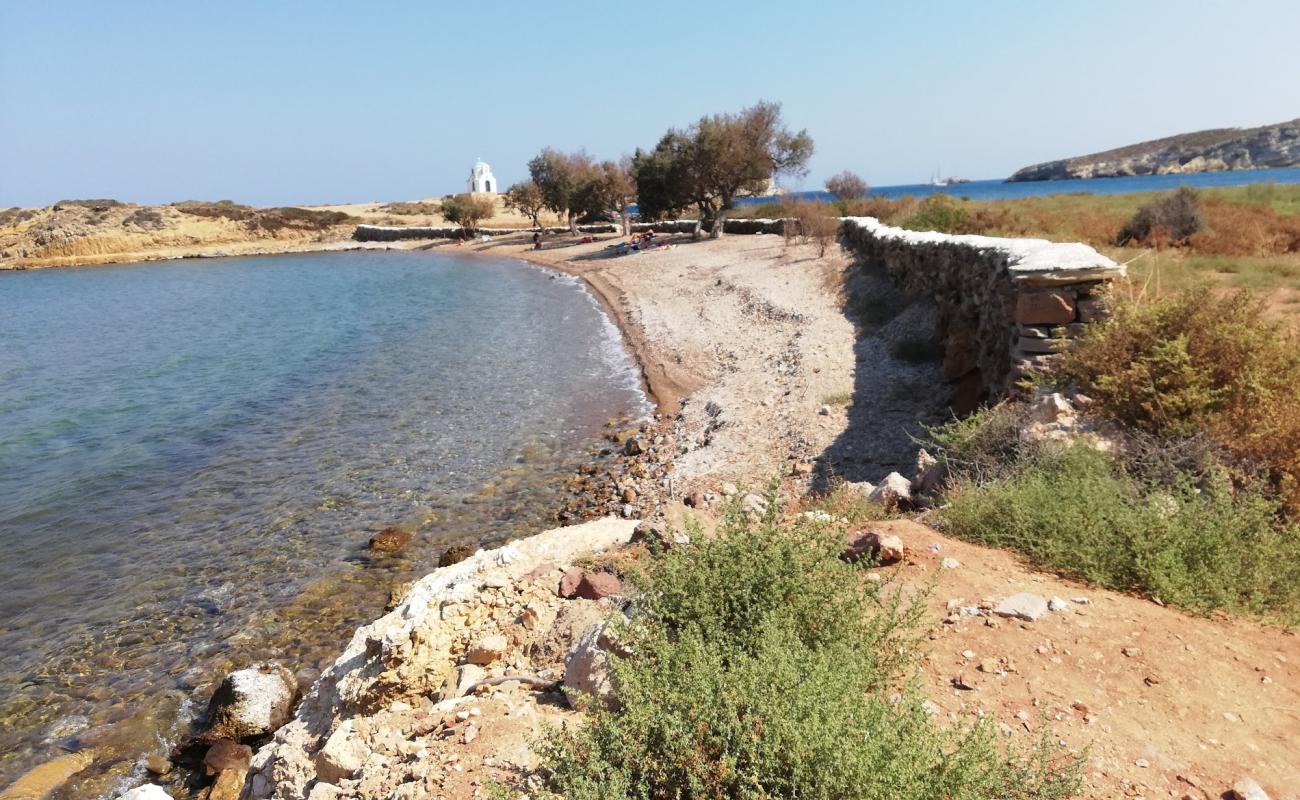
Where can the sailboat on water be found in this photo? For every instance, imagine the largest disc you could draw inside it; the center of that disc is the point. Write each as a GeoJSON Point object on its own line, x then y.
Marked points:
{"type": "Point", "coordinates": [937, 180]}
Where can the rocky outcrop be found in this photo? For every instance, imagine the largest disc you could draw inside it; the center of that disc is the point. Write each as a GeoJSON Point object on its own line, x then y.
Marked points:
{"type": "Point", "coordinates": [1204, 151]}
{"type": "Point", "coordinates": [1005, 306]}
{"type": "Point", "coordinates": [372, 710]}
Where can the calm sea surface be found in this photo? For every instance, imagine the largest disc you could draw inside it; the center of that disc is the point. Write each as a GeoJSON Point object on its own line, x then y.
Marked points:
{"type": "Point", "coordinates": [194, 454]}
{"type": "Point", "coordinates": [1000, 190]}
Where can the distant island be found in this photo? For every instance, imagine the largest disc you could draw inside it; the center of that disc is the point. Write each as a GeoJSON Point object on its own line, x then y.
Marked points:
{"type": "Point", "coordinates": [1203, 151]}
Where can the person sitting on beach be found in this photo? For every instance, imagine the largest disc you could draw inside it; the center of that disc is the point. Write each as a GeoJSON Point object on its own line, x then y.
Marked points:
{"type": "Point", "coordinates": [537, 241]}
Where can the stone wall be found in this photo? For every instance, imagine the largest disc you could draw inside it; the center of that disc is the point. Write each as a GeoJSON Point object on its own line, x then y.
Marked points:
{"type": "Point", "coordinates": [1005, 306]}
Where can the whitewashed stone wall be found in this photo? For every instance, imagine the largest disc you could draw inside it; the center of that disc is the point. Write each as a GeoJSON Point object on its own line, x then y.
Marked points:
{"type": "Point", "coordinates": [1005, 306]}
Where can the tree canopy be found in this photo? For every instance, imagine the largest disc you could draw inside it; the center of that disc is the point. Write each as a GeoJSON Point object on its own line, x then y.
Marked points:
{"type": "Point", "coordinates": [526, 197]}
{"type": "Point", "coordinates": [467, 210]}
{"type": "Point", "coordinates": [847, 186]}
{"type": "Point", "coordinates": [564, 180]}
{"type": "Point", "coordinates": [717, 159]}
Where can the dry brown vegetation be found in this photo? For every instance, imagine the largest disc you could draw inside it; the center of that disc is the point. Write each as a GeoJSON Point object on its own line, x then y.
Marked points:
{"type": "Point", "coordinates": [411, 209]}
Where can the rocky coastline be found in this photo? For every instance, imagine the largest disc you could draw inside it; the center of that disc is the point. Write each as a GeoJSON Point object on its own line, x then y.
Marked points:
{"type": "Point", "coordinates": [1218, 150]}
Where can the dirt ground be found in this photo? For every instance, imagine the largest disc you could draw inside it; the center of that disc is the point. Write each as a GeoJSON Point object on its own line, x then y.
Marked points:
{"type": "Point", "coordinates": [1166, 704]}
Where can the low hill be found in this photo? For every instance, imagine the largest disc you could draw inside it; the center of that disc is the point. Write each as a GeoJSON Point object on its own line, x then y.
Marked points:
{"type": "Point", "coordinates": [1203, 151]}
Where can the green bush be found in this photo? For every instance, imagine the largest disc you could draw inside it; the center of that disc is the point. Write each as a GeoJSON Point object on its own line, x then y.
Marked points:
{"type": "Point", "coordinates": [762, 666]}
{"type": "Point", "coordinates": [1200, 362]}
{"type": "Point", "coordinates": [981, 447]}
{"type": "Point", "coordinates": [1171, 218]}
{"type": "Point", "coordinates": [1079, 512]}
{"type": "Point", "coordinates": [940, 213]}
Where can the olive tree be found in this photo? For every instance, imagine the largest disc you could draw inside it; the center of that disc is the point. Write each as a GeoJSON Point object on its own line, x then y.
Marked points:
{"type": "Point", "coordinates": [467, 210]}
{"type": "Point", "coordinates": [563, 179]}
{"type": "Point", "coordinates": [526, 198]}
{"type": "Point", "coordinates": [609, 188]}
{"type": "Point", "coordinates": [719, 158]}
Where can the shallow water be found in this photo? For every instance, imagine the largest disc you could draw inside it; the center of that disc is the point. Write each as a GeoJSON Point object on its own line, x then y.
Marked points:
{"type": "Point", "coordinates": [193, 455]}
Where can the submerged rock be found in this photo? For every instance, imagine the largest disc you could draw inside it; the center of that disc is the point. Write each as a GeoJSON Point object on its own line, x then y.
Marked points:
{"type": "Point", "coordinates": [390, 540]}
{"type": "Point", "coordinates": [42, 780]}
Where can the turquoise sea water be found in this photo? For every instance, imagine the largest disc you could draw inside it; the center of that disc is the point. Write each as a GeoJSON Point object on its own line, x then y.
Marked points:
{"type": "Point", "coordinates": [193, 456]}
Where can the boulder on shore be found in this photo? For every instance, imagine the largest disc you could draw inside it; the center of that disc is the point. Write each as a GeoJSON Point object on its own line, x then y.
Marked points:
{"type": "Point", "coordinates": [883, 547]}
{"type": "Point", "coordinates": [251, 702]}
{"type": "Point", "coordinates": [894, 492]}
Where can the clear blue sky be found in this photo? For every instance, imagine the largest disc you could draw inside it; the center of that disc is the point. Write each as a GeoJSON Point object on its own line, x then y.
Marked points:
{"type": "Point", "coordinates": [313, 102]}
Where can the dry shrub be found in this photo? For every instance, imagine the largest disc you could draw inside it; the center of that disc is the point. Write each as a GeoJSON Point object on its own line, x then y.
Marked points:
{"type": "Point", "coordinates": [999, 220]}
{"type": "Point", "coordinates": [145, 218]}
{"type": "Point", "coordinates": [222, 209]}
{"type": "Point", "coordinates": [813, 222]}
{"type": "Point", "coordinates": [100, 204]}
{"type": "Point", "coordinates": [1200, 362]}
{"type": "Point", "coordinates": [1171, 219]}
{"type": "Point", "coordinates": [16, 216]}
{"type": "Point", "coordinates": [882, 208]}
{"type": "Point", "coordinates": [276, 219]}
{"type": "Point", "coordinates": [407, 209]}
{"type": "Point", "coordinates": [266, 219]}
{"type": "Point", "coordinates": [1236, 229]}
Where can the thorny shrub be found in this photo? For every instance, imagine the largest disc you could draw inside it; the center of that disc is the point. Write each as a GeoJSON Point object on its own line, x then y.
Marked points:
{"type": "Point", "coordinates": [1199, 362]}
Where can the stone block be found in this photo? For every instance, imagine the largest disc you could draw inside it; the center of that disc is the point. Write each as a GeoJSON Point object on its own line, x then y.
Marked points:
{"type": "Point", "coordinates": [1093, 309]}
{"type": "Point", "coordinates": [1044, 308]}
{"type": "Point", "coordinates": [1030, 345]}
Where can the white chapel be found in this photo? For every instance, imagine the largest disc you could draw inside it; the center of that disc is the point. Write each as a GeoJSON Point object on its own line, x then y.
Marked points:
{"type": "Point", "coordinates": [481, 179]}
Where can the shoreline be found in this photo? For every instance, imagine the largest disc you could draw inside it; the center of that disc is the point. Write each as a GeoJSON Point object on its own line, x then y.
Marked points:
{"type": "Point", "coordinates": [574, 505]}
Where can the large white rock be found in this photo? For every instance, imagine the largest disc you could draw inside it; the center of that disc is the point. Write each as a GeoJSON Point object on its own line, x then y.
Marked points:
{"type": "Point", "coordinates": [1025, 605]}
{"type": "Point", "coordinates": [1049, 408]}
{"type": "Point", "coordinates": [1247, 789]}
{"type": "Point", "coordinates": [586, 669]}
{"type": "Point", "coordinates": [929, 472]}
{"type": "Point", "coordinates": [252, 702]}
{"type": "Point", "coordinates": [149, 791]}
{"type": "Point", "coordinates": [894, 492]}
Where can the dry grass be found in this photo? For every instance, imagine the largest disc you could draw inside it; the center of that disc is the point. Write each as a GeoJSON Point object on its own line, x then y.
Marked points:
{"type": "Point", "coordinates": [1250, 238]}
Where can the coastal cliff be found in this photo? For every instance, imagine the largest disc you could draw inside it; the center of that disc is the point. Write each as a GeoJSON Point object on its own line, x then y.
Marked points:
{"type": "Point", "coordinates": [1203, 151]}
